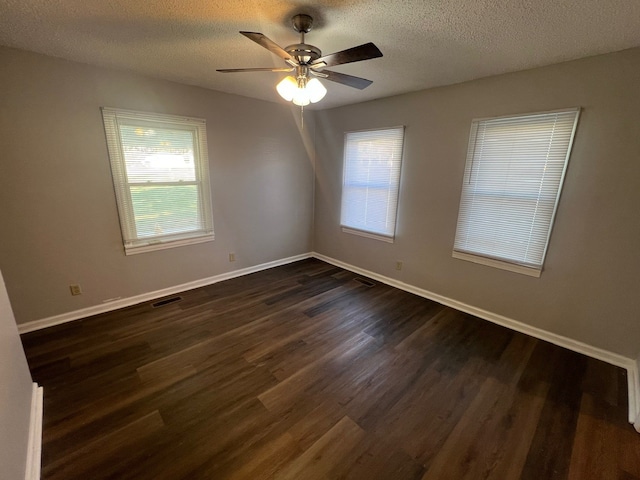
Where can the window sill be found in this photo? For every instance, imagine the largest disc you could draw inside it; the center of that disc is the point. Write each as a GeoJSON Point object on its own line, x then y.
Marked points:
{"type": "Point", "coordinates": [164, 244]}
{"type": "Point", "coordinates": [490, 262]}
{"type": "Point", "coordinates": [374, 236]}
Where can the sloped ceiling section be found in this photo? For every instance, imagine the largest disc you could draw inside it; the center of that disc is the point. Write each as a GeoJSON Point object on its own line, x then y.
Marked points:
{"type": "Point", "coordinates": [425, 43]}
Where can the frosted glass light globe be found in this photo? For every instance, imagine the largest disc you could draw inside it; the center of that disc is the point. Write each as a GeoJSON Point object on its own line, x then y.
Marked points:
{"type": "Point", "coordinates": [316, 90]}
{"type": "Point", "coordinates": [287, 88]}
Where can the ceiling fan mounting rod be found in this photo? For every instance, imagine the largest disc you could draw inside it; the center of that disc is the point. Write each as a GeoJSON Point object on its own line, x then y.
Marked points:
{"type": "Point", "coordinates": [302, 23]}
{"type": "Point", "coordinates": [302, 75]}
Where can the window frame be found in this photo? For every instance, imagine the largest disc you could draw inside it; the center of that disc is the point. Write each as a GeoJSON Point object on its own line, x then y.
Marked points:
{"type": "Point", "coordinates": [113, 118]}
{"type": "Point", "coordinates": [362, 232]}
{"type": "Point", "coordinates": [533, 270]}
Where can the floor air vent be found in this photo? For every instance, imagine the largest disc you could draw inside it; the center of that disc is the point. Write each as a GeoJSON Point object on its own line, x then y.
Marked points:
{"type": "Point", "coordinates": [365, 282]}
{"type": "Point", "coordinates": [166, 301]}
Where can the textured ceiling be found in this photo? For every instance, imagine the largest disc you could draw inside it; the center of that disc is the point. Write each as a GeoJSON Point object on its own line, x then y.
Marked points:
{"type": "Point", "coordinates": [425, 43]}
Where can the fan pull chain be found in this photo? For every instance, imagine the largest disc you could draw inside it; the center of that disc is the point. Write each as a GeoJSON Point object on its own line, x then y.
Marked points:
{"type": "Point", "coordinates": [302, 116]}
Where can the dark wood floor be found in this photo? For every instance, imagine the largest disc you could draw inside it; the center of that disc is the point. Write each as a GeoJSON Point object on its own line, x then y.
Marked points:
{"type": "Point", "coordinates": [302, 372]}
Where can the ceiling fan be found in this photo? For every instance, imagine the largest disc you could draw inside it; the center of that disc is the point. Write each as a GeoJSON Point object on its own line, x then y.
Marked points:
{"type": "Point", "coordinates": [308, 63]}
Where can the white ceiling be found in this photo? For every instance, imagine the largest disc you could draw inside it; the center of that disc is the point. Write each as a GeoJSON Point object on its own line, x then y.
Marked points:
{"type": "Point", "coordinates": [425, 43]}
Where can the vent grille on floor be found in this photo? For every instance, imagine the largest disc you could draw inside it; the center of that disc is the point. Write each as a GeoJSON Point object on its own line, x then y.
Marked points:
{"type": "Point", "coordinates": [166, 301]}
{"type": "Point", "coordinates": [365, 282]}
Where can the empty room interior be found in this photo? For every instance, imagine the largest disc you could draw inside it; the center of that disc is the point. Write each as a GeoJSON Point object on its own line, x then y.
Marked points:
{"type": "Point", "coordinates": [320, 240]}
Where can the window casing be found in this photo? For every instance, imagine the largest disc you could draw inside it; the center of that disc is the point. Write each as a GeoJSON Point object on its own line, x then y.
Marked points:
{"type": "Point", "coordinates": [160, 173]}
{"type": "Point", "coordinates": [371, 182]}
{"type": "Point", "coordinates": [512, 182]}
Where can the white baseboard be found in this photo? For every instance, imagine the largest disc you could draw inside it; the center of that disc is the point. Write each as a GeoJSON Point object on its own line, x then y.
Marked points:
{"type": "Point", "coordinates": [34, 449]}
{"type": "Point", "coordinates": [145, 297]}
{"type": "Point", "coordinates": [633, 375]}
{"type": "Point", "coordinates": [632, 366]}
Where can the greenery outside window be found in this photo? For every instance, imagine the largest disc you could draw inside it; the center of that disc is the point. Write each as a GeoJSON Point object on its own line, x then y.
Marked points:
{"type": "Point", "coordinates": [161, 178]}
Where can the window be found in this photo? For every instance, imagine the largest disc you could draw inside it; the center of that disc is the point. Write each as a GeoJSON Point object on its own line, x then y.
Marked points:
{"type": "Point", "coordinates": [160, 174]}
{"type": "Point", "coordinates": [512, 181]}
{"type": "Point", "coordinates": [371, 181]}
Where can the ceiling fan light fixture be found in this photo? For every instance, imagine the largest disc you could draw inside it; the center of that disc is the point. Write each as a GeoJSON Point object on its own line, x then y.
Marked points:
{"type": "Point", "coordinates": [307, 61]}
{"type": "Point", "coordinates": [301, 92]}
{"type": "Point", "coordinates": [301, 98]}
{"type": "Point", "coordinates": [316, 90]}
{"type": "Point", "coordinates": [287, 88]}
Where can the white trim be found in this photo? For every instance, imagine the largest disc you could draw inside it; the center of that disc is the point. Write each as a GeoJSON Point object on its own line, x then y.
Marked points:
{"type": "Point", "coordinates": [34, 449]}
{"type": "Point", "coordinates": [113, 120]}
{"type": "Point", "coordinates": [376, 129]}
{"type": "Point", "coordinates": [466, 241]}
{"type": "Point", "coordinates": [632, 366]}
{"type": "Point", "coordinates": [392, 201]}
{"type": "Point", "coordinates": [528, 114]}
{"type": "Point", "coordinates": [144, 297]}
{"type": "Point", "coordinates": [164, 244]}
{"type": "Point", "coordinates": [490, 262]}
{"type": "Point", "coordinates": [362, 233]}
{"type": "Point", "coordinates": [633, 375]}
{"type": "Point", "coordinates": [154, 117]}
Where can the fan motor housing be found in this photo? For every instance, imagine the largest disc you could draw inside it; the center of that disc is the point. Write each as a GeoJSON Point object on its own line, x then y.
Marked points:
{"type": "Point", "coordinates": [303, 52]}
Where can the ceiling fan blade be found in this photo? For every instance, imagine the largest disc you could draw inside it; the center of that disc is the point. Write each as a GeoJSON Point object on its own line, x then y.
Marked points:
{"type": "Point", "coordinates": [349, 80]}
{"type": "Point", "coordinates": [235, 70]}
{"type": "Point", "coordinates": [270, 45]}
{"type": "Point", "coordinates": [355, 54]}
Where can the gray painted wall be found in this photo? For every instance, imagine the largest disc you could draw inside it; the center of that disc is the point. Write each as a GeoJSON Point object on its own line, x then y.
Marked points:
{"type": "Point", "coordinates": [15, 395]}
{"type": "Point", "coordinates": [58, 212]}
{"type": "Point", "coordinates": [60, 222]}
{"type": "Point", "coordinates": [589, 288]}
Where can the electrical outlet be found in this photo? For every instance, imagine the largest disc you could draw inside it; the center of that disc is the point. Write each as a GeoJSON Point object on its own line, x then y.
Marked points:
{"type": "Point", "coordinates": [232, 257]}
{"type": "Point", "coordinates": [76, 289]}
{"type": "Point", "coordinates": [398, 265]}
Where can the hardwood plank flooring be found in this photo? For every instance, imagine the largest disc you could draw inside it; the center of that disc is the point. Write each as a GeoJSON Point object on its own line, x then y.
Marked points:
{"type": "Point", "coordinates": [302, 372]}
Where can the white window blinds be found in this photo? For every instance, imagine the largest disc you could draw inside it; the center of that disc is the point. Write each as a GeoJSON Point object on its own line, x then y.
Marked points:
{"type": "Point", "coordinates": [371, 180]}
{"type": "Point", "coordinates": [160, 172]}
{"type": "Point", "coordinates": [512, 181]}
